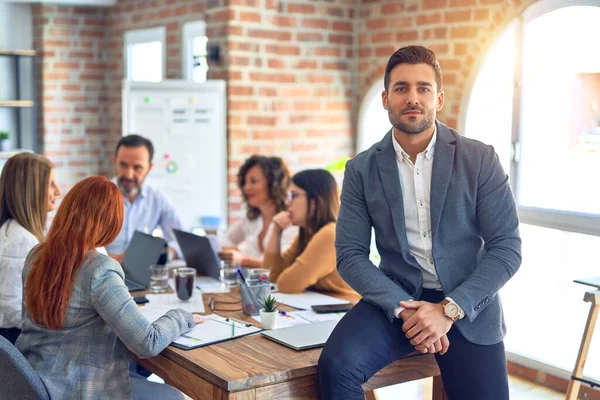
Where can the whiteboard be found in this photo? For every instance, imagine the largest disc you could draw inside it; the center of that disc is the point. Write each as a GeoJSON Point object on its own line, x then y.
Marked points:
{"type": "Point", "coordinates": [186, 123]}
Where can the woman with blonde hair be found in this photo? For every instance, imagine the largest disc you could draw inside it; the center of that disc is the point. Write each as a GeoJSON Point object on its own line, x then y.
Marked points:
{"type": "Point", "coordinates": [28, 191]}
{"type": "Point", "coordinates": [79, 317]}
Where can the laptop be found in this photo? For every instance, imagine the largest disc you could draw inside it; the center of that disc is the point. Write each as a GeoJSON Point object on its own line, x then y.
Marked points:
{"type": "Point", "coordinates": [143, 251]}
{"type": "Point", "coordinates": [200, 252]}
{"type": "Point", "coordinates": [302, 337]}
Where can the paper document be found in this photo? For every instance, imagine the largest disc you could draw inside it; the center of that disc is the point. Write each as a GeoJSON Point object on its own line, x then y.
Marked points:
{"type": "Point", "coordinates": [214, 329]}
{"type": "Point", "coordinates": [307, 299]}
{"type": "Point", "coordinates": [169, 301]}
{"type": "Point", "coordinates": [292, 318]}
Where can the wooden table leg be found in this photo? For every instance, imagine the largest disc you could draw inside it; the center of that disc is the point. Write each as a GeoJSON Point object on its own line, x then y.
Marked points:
{"type": "Point", "coordinates": [438, 389]}
{"type": "Point", "coordinates": [370, 395]}
{"type": "Point", "coordinates": [574, 385]}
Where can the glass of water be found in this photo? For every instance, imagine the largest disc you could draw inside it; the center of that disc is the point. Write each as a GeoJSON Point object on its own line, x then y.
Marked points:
{"type": "Point", "coordinates": [159, 278]}
{"type": "Point", "coordinates": [229, 275]}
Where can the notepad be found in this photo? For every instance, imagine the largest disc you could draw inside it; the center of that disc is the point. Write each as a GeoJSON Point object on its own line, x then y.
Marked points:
{"type": "Point", "coordinates": [214, 329]}
{"type": "Point", "coordinates": [306, 300]}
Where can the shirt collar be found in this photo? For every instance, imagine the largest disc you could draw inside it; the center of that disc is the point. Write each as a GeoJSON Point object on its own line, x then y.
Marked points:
{"type": "Point", "coordinates": [429, 150]}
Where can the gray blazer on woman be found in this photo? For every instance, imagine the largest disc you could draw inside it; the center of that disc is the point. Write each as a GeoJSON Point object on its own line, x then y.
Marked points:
{"type": "Point", "coordinates": [474, 227]}
{"type": "Point", "coordinates": [87, 358]}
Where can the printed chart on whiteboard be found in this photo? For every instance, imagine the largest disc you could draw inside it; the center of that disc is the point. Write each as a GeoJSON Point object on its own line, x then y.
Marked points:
{"type": "Point", "coordinates": [186, 122]}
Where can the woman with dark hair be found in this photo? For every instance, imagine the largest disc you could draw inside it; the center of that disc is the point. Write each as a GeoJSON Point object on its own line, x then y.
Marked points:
{"type": "Point", "coordinates": [313, 205]}
{"type": "Point", "coordinates": [264, 182]}
{"type": "Point", "coordinates": [79, 317]}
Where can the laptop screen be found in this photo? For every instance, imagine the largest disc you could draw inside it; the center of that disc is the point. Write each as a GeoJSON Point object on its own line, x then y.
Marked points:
{"type": "Point", "coordinates": [143, 251]}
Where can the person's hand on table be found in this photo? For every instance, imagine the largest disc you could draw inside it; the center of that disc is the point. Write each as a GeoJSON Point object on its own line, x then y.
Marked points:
{"type": "Point", "coordinates": [197, 319]}
{"type": "Point", "coordinates": [231, 255]}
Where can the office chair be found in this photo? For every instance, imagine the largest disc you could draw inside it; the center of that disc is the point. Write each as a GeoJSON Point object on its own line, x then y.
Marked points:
{"type": "Point", "coordinates": [17, 379]}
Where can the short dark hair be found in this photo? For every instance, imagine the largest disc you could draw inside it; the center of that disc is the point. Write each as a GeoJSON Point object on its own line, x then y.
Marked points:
{"type": "Point", "coordinates": [278, 181]}
{"type": "Point", "coordinates": [135, 141]}
{"type": "Point", "coordinates": [413, 55]}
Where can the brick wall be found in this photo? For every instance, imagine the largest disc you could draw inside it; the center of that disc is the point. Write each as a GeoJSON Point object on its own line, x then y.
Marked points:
{"type": "Point", "coordinates": [460, 32]}
{"type": "Point", "coordinates": [72, 119]}
{"type": "Point", "coordinates": [297, 70]}
{"type": "Point", "coordinates": [289, 66]}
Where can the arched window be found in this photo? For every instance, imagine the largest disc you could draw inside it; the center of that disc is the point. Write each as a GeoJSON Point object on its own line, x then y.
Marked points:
{"type": "Point", "coordinates": [536, 99]}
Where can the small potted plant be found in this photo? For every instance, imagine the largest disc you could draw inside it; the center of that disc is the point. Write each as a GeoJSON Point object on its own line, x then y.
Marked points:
{"type": "Point", "coordinates": [4, 142]}
{"type": "Point", "coordinates": [268, 313]}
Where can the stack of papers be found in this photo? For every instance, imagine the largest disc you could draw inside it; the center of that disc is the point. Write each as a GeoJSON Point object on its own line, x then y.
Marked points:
{"type": "Point", "coordinates": [292, 318]}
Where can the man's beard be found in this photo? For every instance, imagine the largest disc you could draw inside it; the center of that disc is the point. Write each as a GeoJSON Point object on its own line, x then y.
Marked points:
{"type": "Point", "coordinates": [412, 129]}
{"type": "Point", "coordinates": [134, 189]}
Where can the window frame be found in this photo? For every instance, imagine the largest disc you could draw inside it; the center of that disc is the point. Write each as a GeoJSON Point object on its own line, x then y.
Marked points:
{"type": "Point", "coordinates": [190, 31]}
{"type": "Point", "coordinates": [140, 36]}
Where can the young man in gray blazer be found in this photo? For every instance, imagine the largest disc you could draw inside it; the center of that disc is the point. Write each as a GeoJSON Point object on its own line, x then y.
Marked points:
{"type": "Point", "coordinates": [446, 227]}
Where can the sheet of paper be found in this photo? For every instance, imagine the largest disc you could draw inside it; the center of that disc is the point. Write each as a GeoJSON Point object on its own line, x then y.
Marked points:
{"type": "Point", "coordinates": [170, 301]}
{"type": "Point", "coordinates": [215, 329]}
{"type": "Point", "coordinates": [307, 299]}
{"type": "Point", "coordinates": [292, 318]}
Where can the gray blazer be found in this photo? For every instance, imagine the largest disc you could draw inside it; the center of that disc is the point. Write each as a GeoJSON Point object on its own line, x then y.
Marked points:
{"type": "Point", "coordinates": [474, 226]}
{"type": "Point", "coordinates": [87, 359]}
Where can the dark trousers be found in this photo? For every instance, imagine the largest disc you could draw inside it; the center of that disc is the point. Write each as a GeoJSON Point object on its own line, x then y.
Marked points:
{"type": "Point", "coordinates": [11, 334]}
{"type": "Point", "coordinates": [365, 341]}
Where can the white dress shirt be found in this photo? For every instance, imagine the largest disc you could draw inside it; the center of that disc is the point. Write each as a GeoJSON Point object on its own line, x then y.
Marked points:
{"type": "Point", "coordinates": [244, 235]}
{"type": "Point", "coordinates": [15, 243]}
{"type": "Point", "coordinates": [415, 181]}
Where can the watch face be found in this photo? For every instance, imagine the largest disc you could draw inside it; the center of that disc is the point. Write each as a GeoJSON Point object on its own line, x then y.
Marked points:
{"type": "Point", "coordinates": [451, 310]}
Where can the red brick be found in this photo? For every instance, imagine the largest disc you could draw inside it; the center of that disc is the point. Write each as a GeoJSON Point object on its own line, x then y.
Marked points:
{"type": "Point", "coordinates": [428, 19]}
{"type": "Point", "coordinates": [269, 92]}
{"type": "Point", "coordinates": [326, 91]}
{"type": "Point", "coordinates": [270, 34]}
{"type": "Point", "coordinates": [340, 39]}
{"type": "Point", "coordinates": [275, 63]}
{"type": "Point", "coordinates": [374, 24]}
{"type": "Point", "coordinates": [380, 37]}
{"type": "Point", "coordinates": [241, 105]}
{"type": "Point", "coordinates": [457, 16]}
{"type": "Point", "coordinates": [343, 26]}
{"type": "Point", "coordinates": [247, 16]}
{"type": "Point", "coordinates": [66, 65]}
{"type": "Point", "coordinates": [71, 87]}
{"type": "Point", "coordinates": [482, 14]}
{"type": "Point", "coordinates": [285, 21]}
{"type": "Point", "coordinates": [460, 48]}
{"type": "Point", "coordinates": [463, 3]}
{"type": "Point", "coordinates": [304, 146]}
{"type": "Point", "coordinates": [240, 90]}
{"type": "Point", "coordinates": [310, 37]}
{"type": "Point", "coordinates": [440, 33]}
{"type": "Point", "coordinates": [431, 4]}
{"type": "Point", "coordinates": [300, 8]}
{"type": "Point", "coordinates": [307, 106]}
{"type": "Point", "coordinates": [71, 22]}
{"type": "Point", "coordinates": [392, 8]}
{"type": "Point", "coordinates": [327, 51]}
{"type": "Point", "coordinates": [407, 36]}
{"type": "Point", "coordinates": [315, 23]}
{"type": "Point", "coordinates": [261, 120]}
{"type": "Point", "coordinates": [95, 66]}
{"type": "Point", "coordinates": [95, 33]}
{"type": "Point", "coordinates": [385, 51]}
{"type": "Point", "coordinates": [463, 32]}
{"type": "Point", "coordinates": [319, 78]}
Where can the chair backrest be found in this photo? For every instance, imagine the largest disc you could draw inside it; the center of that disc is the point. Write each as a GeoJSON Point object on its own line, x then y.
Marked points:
{"type": "Point", "coordinates": [18, 380]}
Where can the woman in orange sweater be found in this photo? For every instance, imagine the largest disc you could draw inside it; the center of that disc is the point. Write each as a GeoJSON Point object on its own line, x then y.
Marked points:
{"type": "Point", "coordinates": [309, 263]}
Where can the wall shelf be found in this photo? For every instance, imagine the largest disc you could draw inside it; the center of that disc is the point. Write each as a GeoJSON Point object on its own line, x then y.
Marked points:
{"type": "Point", "coordinates": [23, 108]}
{"type": "Point", "coordinates": [16, 103]}
{"type": "Point", "coordinates": [18, 53]}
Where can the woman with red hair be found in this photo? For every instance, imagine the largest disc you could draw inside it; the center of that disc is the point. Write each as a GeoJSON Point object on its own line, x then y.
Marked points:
{"type": "Point", "coordinates": [79, 316]}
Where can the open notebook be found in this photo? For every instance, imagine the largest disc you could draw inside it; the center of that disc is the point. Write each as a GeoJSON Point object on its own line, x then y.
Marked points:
{"type": "Point", "coordinates": [215, 329]}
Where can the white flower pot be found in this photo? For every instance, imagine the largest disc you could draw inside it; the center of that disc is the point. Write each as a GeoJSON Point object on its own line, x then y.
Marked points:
{"type": "Point", "coordinates": [268, 320]}
{"type": "Point", "coordinates": [4, 145]}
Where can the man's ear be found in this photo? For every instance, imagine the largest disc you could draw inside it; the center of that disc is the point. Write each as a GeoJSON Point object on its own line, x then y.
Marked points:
{"type": "Point", "coordinates": [384, 99]}
{"type": "Point", "coordinates": [150, 167]}
{"type": "Point", "coordinates": [440, 100]}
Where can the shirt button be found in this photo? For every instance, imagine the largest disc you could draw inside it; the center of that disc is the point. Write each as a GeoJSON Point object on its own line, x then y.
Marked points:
{"type": "Point", "coordinates": [421, 203]}
{"type": "Point", "coordinates": [417, 172]}
{"type": "Point", "coordinates": [424, 234]}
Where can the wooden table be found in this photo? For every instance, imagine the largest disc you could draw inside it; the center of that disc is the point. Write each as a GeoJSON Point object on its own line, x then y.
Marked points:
{"type": "Point", "coordinates": [254, 367]}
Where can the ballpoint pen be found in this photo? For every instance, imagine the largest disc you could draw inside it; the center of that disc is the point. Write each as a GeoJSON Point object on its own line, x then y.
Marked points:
{"type": "Point", "coordinates": [232, 329]}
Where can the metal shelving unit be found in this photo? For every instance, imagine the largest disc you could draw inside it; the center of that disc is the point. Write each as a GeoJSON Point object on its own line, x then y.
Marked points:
{"type": "Point", "coordinates": [19, 103]}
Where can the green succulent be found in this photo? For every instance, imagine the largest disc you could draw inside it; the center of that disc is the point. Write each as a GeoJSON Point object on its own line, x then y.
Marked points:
{"type": "Point", "coordinates": [3, 135]}
{"type": "Point", "coordinates": [268, 303]}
